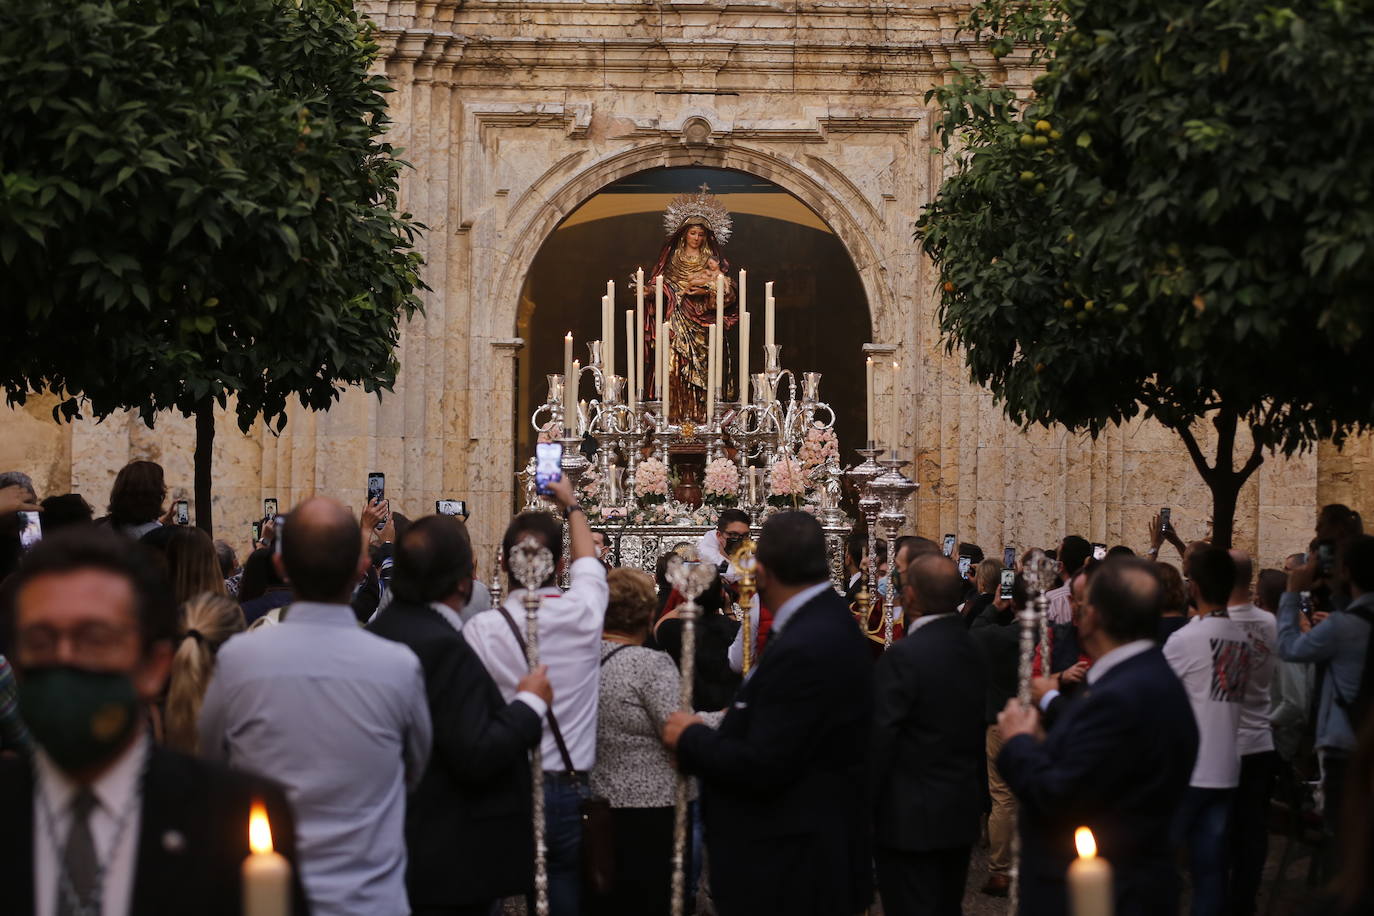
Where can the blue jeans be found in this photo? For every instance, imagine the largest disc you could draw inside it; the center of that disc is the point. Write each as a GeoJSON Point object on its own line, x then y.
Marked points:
{"type": "Point", "coordinates": [563, 836]}
{"type": "Point", "coordinates": [1203, 825]}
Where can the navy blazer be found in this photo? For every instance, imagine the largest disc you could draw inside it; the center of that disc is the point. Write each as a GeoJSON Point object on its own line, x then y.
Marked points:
{"type": "Point", "coordinates": [783, 778]}
{"type": "Point", "coordinates": [1117, 760]}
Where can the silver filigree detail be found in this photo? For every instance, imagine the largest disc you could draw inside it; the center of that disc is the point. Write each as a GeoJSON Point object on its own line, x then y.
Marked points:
{"type": "Point", "coordinates": [702, 207]}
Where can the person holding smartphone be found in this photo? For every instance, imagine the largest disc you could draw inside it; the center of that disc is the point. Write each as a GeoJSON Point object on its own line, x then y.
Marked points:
{"type": "Point", "coordinates": [570, 625]}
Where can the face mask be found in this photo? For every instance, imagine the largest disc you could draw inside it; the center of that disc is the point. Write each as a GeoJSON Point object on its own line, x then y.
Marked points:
{"type": "Point", "coordinates": [81, 718]}
{"type": "Point", "coordinates": [882, 586]}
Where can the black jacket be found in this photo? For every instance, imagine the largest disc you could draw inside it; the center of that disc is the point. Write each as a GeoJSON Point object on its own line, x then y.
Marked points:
{"type": "Point", "coordinates": [468, 829]}
{"type": "Point", "coordinates": [1117, 761]}
{"type": "Point", "coordinates": [783, 777]}
{"type": "Point", "coordinates": [929, 740]}
{"type": "Point", "coordinates": [713, 683]}
{"type": "Point", "coordinates": [193, 837]}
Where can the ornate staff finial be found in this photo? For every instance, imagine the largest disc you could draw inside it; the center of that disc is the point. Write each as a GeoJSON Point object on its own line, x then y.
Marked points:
{"type": "Point", "coordinates": [531, 563]}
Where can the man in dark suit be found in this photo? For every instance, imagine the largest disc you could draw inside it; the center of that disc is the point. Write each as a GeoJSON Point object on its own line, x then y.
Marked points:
{"type": "Point", "coordinates": [928, 753]}
{"type": "Point", "coordinates": [468, 827]}
{"type": "Point", "coordinates": [1117, 759]}
{"type": "Point", "coordinates": [783, 777]}
{"type": "Point", "coordinates": [101, 820]}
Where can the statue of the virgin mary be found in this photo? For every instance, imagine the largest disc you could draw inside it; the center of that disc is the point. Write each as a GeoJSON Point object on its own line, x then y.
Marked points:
{"type": "Point", "coordinates": [697, 227]}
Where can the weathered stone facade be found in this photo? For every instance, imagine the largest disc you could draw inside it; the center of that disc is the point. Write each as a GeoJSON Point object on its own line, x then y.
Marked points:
{"type": "Point", "coordinates": [515, 113]}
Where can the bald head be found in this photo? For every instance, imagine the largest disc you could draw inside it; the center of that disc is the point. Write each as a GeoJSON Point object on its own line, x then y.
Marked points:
{"type": "Point", "coordinates": [931, 585]}
{"type": "Point", "coordinates": [321, 545]}
{"type": "Point", "coordinates": [1245, 573]}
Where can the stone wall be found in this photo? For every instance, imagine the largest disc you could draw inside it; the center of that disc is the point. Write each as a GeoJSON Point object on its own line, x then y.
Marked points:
{"type": "Point", "coordinates": [514, 114]}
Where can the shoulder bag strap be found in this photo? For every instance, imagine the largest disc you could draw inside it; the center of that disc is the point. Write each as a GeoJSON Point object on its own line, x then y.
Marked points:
{"type": "Point", "coordinates": [553, 720]}
{"type": "Point", "coordinates": [613, 653]}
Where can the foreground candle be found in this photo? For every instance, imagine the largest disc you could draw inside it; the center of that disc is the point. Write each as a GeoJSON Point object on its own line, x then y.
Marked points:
{"type": "Point", "coordinates": [609, 356]}
{"type": "Point", "coordinates": [569, 384]}
{"type": "Point", "coordinates": [896, 433]}
{"type": "Point", "coordinates": [1090, 878]}
{"type": "Point", "coordinates": [266, 874]}
{"type": "Point", "coordinates": [630, 367]}
{"type": "Point", "coordinates": [768, 314]}
{"type": "Point", "coordinates": [660, 367]}
{"type": "Point", "coordinates": [638, 380]}
{"type": "Point", "coordinates": [743, 357]}
{"type": "Point", "coordinates": [666, 344]}
{"type": "Point", "coordinates": [868, 403]}
{"type": "Point", "coordinates": [712, 341]}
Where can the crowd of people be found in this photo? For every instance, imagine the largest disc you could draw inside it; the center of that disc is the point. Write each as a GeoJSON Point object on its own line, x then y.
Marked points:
{"type": "Point", "coordinates": [356, 679]}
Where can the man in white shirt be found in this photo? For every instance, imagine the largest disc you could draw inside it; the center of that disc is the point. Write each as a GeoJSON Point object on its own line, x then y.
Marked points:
{"type": "Point", "coordinates": [715, 547]}
{"type": "Point", "coordinates": [1254, 742]}
{"type": "Point", "coordinates": [570, 645]}
{"type": "Point", "coordinates": [100, 820]}
{"type": "Point", "coordinates": [336, 714]}
{"type": "Point", "coordinates": [1211, 656]}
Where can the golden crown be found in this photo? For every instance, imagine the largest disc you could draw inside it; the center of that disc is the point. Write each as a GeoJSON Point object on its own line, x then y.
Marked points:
{"type": "Point", "coordinates": [702, 208]}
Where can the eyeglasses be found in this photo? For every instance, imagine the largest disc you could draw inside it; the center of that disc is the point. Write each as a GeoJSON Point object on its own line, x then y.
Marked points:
{"type": "Point", "coordinates": [39, 643]}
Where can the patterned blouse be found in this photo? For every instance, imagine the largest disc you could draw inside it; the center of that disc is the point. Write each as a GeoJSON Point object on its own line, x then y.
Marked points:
{"type": "Point", "coordinates": [639, 689]}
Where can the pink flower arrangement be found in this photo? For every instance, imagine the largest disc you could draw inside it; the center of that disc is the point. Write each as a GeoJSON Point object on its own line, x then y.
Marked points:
{"type": "Point", "coordinates": [722, 479]}
{"type": "Point", "coordinates": [651, 478]}
{"type": "Point", "coordinates": [785, 479]}
{"type": "Point", "coordinates": [818, 446]}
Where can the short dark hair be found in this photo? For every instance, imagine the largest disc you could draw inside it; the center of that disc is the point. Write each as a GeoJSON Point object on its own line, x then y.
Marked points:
{"type": "Point", "coordinates": [914, 545]}
{"type": "Point", "coordinates": [730, 516]}
{"type": "Point", "coordinates": [320, 549]}
{"type": "Point", "coordinates": [81, 548]}
{"type": "Point", "coordinates": [1120, 550]}
{"type": "Point", "coordinates": [64, 511]}
{"type": "Point", "coordinates": [936, 581]}
{"type": "Point", "coordinates": [1269, 588]}
{"type": "Point", "coordinates": [138, 492]}
{"type": "Point", "coordinates": [432, 558]}
{"type": "Point", "coordinates": [545, 528]}
{"type": "Point", "coordinates": [1359, 562]}
{"type": "Point", "coordinates": [972, 551]}
{"type": "Point", "coordinates": [259, 574]}
{"type": "Point", "coordinates": [1073, 552]}
{"type": "Point", "coordinates": [792, 548]}
{"type": "Point", "coordinates": [855, 546]}
{"type": "Point", "coordinates": [1127, 595]}
{"type": "Point", "coordinates": [1213, 571]}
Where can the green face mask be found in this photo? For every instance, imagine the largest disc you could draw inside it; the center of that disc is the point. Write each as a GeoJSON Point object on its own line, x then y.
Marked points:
{"type": "Point", "coordinates": [80, 718]}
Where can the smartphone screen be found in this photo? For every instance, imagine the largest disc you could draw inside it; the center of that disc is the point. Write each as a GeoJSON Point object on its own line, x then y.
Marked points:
{"type": "Point", "coordinates": [1326, 558]}
{"type": "Point", "coordinates": [1008, 557]}
{"type": "Point", "coordinates": [450, 507]}
{"type": "Point", "coordinates": [257, 533]}
{"type": "Point", "coordinates": [376, 486]}
{"type": "Point", "coordinates": [1164, 519]}
{"type": "Point", "coordinates": [1099, 551]}
{"type": "Point", "coordinates": [183, 512]}
{"type": "Point", "coordinates": [965, 564]}
{"type": "Point", "coordinates": [548, 465]}
{"type": "Point", "coordinates": [269, 507]}
{"type": "Point", "coordinates": [31, 530]}
{"type": "Point", "coordinates": [949, 545]}
{"type": "Point", "coordinates": [1008, 580]}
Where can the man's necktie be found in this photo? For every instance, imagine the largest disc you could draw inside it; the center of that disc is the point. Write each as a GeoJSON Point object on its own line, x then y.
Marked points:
{"type": "Point", "coordinates": [79, 865]}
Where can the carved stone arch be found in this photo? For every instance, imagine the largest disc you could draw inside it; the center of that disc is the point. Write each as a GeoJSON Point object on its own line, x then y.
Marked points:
{"type": "Point", "coordinates": [566, 186]}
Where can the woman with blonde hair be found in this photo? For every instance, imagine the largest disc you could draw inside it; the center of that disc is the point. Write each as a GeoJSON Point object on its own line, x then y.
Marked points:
{"type": "Point", "coordinates": [193, 565]}
{"type": "Point", "coordinates": [208, 620]}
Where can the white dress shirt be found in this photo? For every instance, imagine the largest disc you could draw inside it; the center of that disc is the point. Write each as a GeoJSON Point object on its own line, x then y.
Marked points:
{"type": "Point", "coordinates": [340, 718]}
{"type": "Point", "coordinates": [708, 552]}
{"type": "Point", "coordinates": [570, 626]}
{"type": "Point", "coordinates": [119, 794]}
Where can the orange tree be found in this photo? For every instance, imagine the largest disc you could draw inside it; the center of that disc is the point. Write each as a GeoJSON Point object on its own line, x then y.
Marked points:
{"type": "Point", "coordinates": [196, 203]}
{"type": "Point", "coordinates": [1177, 223]}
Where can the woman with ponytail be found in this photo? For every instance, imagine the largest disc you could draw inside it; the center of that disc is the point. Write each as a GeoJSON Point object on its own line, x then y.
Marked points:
{"type": "Point", "coordinates": [207, 621]}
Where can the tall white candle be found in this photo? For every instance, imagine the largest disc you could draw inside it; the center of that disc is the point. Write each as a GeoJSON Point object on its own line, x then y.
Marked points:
{"type": "Point", "coordinates": [630, 359]}
{"type": "Point", "coordinates": [868, 401]}
{"type": "Point", "coordinates": [659, 365]}
{"type": "Point", "coordinates": [720, 319]}
{"type": "Point", "coordinates": [768, 313]}
{"type": "Point", "coordinates": [743, 302]}
{"type": "Point", "coordinates": [712, 341]}
{"type": "Point", "coordinates": [574, 425]}
{"type": "Point", "coordinates": [266, 873]}
{"type": "Point", "coordinates": [665, 339]}
{"type": "Point", "coordinates": [1090, 879]}
{"type": "Point", "coordinates": [639, 333]}
{"type": "Point", "coordinates": [569, 385]}
{"type": "Point", "coordinates": [744, 357]}
{"type": "Point", "coordinates": [894, 433]}
{"type": "Point", "coordinates": [609, 345]}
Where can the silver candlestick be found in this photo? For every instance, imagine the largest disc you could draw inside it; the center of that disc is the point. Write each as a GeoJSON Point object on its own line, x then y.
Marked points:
{"type": "Point", "coordinates": [532, 563]}
{"type": "Point", "coordinates": [892, 488]}
{"type": "Point", "coordinates": [862, 476]}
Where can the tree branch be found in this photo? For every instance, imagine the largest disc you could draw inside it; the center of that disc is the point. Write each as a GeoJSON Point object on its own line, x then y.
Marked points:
{"type": "Point", "coordinates": [1194, 452]}
{"type": "Point", "coordinates": [1256, 455]}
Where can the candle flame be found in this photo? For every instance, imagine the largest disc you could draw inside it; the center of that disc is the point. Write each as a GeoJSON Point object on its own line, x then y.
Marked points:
{"type": "Point", "coordinates": [1087, 846]}
{"type": "Point", "coordinates": [259, 830]}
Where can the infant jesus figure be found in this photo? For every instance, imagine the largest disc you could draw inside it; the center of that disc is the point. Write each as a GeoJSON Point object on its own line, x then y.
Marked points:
{"type": "Point", "coordinates": [704, 280]}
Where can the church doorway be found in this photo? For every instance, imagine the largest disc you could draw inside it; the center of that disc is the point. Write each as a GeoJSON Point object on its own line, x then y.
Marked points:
{"type": "Point", "coordinates": [822, 318]}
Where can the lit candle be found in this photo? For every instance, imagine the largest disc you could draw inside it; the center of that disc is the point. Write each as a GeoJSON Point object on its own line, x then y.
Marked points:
{"type": "Point", "coordinates": [768, 313]}
{"type": "Point", "coordinates": [665, 338]}
{"type": "Point", "coordinates": [895, 435]}
{"type": "Point", "coordinates": [743, 357]}
{"type": "Point", "coordinates": [630, 359]}
{"type": "Point", "coordinates": [1090, 878]}
{"type": "Point", "coordinates": [569, 385]}
{"type": "Point", "coordinates": [266, 874]}
{"type": "Point", "coordinates": [712, 340]}
{"type": "Point", "coordinates": [868, 376]}
{"type": "Point", "coordinates": [639, 333]}
{"type": "Point", "coordinates": [659, 364]}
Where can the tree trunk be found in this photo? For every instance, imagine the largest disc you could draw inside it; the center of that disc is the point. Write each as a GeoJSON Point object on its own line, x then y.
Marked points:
{"type": "Point", "coordinates": [1222, 477]}
{"type": "Point", "coordinates": [205, 449]}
